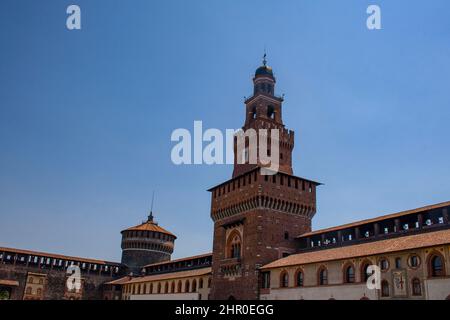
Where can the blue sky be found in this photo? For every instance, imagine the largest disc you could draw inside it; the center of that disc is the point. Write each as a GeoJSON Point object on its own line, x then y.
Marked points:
{"type": "Point", "coordinates": [86, 116]}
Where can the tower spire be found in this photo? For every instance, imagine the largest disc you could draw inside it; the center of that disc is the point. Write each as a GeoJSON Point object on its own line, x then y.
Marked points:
{"type": "Point", "coordinates": [265, 57]}
{"type": "Point", "coordinates": [150, 216]}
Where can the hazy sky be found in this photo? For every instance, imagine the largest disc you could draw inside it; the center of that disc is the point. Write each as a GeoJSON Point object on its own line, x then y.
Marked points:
{"type": "Point", "coordinates": [86, 116]}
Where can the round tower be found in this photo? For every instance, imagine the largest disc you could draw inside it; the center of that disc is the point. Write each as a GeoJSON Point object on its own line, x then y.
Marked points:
{"type": "Point", "coordinates": [145, 244]}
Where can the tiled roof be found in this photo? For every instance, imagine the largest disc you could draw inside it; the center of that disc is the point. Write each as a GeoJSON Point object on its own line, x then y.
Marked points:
{"type": "Point", "coordinates": [205, 255]}
{"type": "Point", "coordinates": [171, 275]}
{"type": "Point", "coordinates": [120, 280]}
{"type": "Point", "coordinates": [11, 283]}
{"type": "Point", "coordinates": [149, 226]}
{"type": "Point", "coordinates": [379, 218]}
{"type": "Point", "coordinates": [56, 256]}
{"type": "Point", "coordinates": [416, 241]}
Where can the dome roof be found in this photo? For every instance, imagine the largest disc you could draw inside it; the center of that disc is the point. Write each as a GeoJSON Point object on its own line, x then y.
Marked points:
{"type": "Point", "coordinates": [149, 225]}
{"type": "Point", "coordinates": [264, 70]}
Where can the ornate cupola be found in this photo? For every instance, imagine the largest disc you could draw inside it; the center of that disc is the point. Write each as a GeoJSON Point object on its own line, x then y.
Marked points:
{"type": "Point", "coordinates": [145, 244]}
{"type": "Point", "coordinates": [264, 81]}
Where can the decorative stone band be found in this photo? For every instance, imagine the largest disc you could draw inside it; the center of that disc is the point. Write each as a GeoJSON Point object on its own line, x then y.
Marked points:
{"type": "Point", "coordinates": [146, 250]}
{"type": "Point", "coordinates": [263, 202]}
{"type": "Point", "coordinates": [146, 246]}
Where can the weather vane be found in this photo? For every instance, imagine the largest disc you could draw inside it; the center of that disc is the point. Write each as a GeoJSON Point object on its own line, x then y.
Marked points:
{"type": "Point", "coordinates": [264, 57]}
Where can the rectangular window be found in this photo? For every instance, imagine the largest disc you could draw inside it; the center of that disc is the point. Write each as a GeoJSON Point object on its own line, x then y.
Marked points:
{"type": "Point", "coordinates": [266, 280]}
{"type": "Point", "coordinates": [398, 263]}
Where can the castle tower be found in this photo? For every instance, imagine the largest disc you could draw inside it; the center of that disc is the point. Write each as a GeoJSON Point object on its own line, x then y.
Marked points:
{"type": "Point", "coordinates": [257, 217]}
{"type": "Point", "coordinates": [264, 111]}
{"type": "Point", "coordinates": [145, 244]}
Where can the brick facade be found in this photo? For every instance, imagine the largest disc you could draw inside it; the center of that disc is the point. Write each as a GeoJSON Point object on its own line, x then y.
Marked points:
{"type": "Point", "coordinates": [54, 286]}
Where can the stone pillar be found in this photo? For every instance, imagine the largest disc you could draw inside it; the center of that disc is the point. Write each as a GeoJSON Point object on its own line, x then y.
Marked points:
{"type": "Point", "coordinates": [376, 229]}
{"type": "Point", "coordinates": [420, 220]}
{"type": "Point", "coordinates": [397, 225]}
{"type": "Point", "coordinates": [445, 215]}
{"type": "Point", "coordinates": [357, 235]}
{"type": "Point", "coordinates": [308, 242]}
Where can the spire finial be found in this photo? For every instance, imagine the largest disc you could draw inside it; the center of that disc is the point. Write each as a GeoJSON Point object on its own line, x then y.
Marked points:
{"type": "Point", "coordinates": [264, 57]}
{"type": "Point", "coordinates": [150, 216]}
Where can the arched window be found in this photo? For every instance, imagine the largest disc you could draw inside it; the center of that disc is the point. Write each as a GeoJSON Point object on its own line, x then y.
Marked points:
{"type": "Point", "coordinates": [28, 290]}
{"type": "Point", "coordinates": [200, 283]}
{"type": "Point", "coordinates": [349, 275]}
{"type": "Point", "coordinates": [384, 288]}
{"type": "Point", "coordinates": [323, 276]}
{"type": "Point", "coordinates": [416, 287]}
{"type": "Point", "coordinates": [194, 286]}
{"type": "Point", "coordinates": [270, 112]}
{"type": "Point", "coordinates": [414, 261]}
{"type": "Point", "coordinates": [172, 287]}
{"type": "Point", "coordinates": [384, 264]}
{"type": "Point", "coordinates": [234, 245]}
{"type": "Point", "coordinates": [166, 288]}
{"type": "Point", "coordinates": [159, 287]}
{"type": "Point", "coordinates": [39, 291]}
{"type": "Point", "coordinates": [209, 282]}
{"type": "Point", "coordinates": [179, 286]}
{"type": "Point", "coordinates": [187, 286]}
{"type": "Point", "coordinates": [299, 278]}
{"type": "Point", "coordinates": [30, 279]}
{"type": "Point", "coordinates": [284, 280]}
{"type": "Point", "coordinates": [365, 274]}
{"type": "Point", "coordinates": [253, 112]}
{"type": "Point", "coordinates": [436, 266]}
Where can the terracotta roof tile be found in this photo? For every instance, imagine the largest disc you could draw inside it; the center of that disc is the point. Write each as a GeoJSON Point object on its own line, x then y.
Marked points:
{"type": "Point", "coordinates": [149, 226]}
{"type": "Point", "coordinates": [171, 275]}
{"type": "Point", "coordinates": [120, 280]}
{"type": "Point", "coordinates": [205, 255]}
{"type": "Point", "coordinates": [421, 240]}
{"type": "Point", "coordinates": [379, 218]}
{"type": "Point", "coordinates": [11, 283]}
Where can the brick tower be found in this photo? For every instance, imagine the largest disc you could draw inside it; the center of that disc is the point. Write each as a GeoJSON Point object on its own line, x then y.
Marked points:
{"type": "Point", "coordinates": [256, 216]}
{"type": "Point", "coordinates": [145, 244]}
